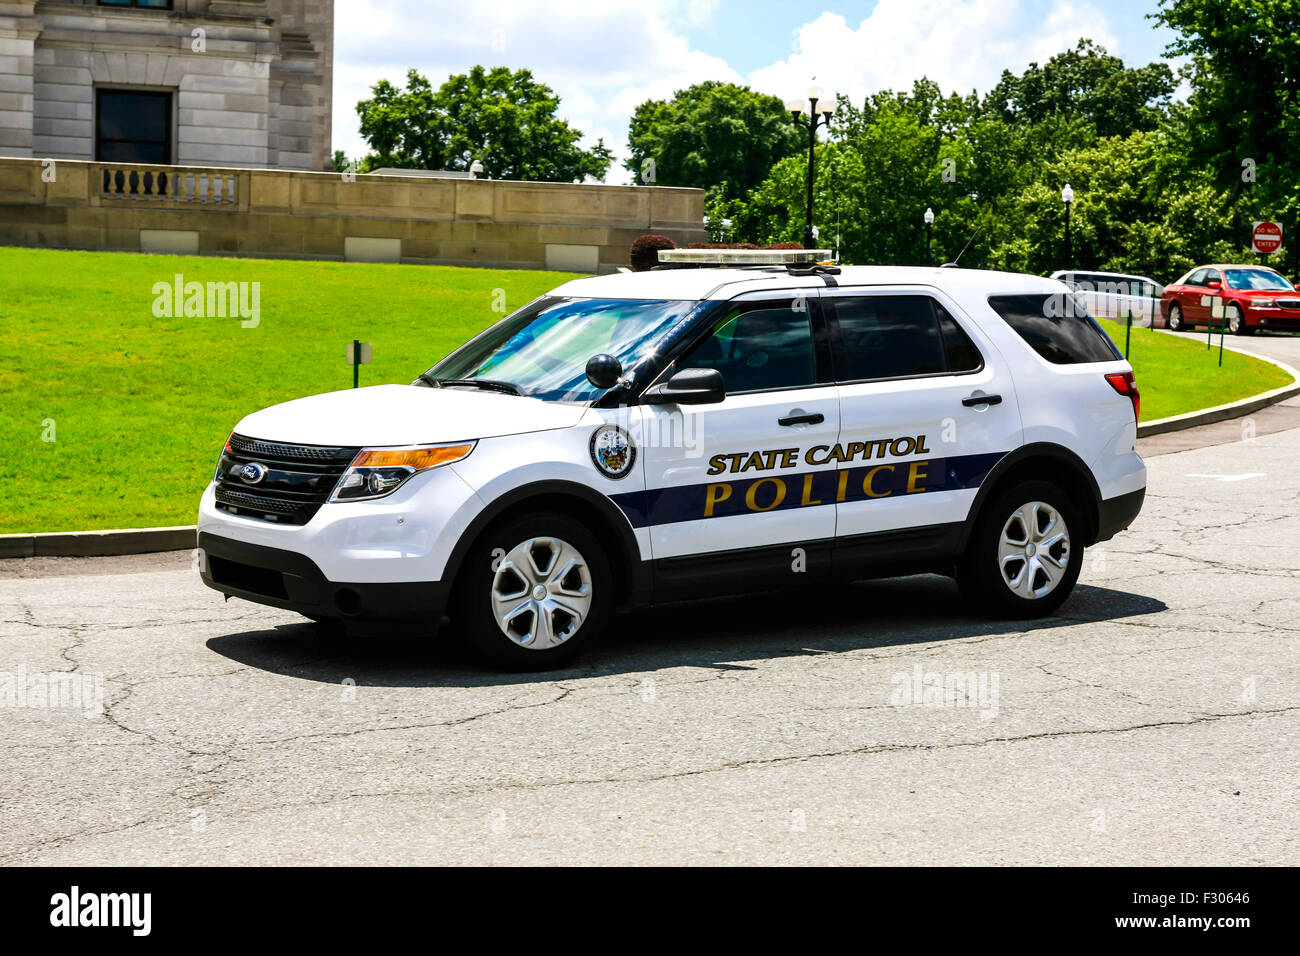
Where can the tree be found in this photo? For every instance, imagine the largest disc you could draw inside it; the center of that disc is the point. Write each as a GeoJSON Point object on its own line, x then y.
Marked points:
{"type": "Point", "coordinates": [1244, 110]}
{"type": "Point", "coordinates": [715, 136]}
{"type": "Point", "coordinates": [1085, 84]}
{"type": "Point", "coordinates": [505, 120]}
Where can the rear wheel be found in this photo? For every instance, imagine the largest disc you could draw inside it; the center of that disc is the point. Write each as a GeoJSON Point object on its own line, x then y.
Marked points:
{"type": "Point", "coordinates": [535, 591]}
{"type": "Point", "coordinates": [1176, 323]}
{"type": "Point", "coordinates": [1025, 552]}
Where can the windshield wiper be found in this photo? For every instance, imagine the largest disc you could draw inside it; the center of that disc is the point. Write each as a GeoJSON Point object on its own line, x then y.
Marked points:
{"type": "Point", "coordinates": [486, 383]}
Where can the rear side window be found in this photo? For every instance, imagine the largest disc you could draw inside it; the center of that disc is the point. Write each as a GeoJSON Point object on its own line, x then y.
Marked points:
{"type": "Point", "coordinates": [888, 336]}
{"type": "Point", "coordinates": [900, 336]}
{"type": "Point", "coordinates": [1056, 326]}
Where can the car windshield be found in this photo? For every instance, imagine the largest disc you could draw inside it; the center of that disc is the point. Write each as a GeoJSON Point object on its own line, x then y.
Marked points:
{"type": "Point", "coordinates": [1256, 279]}
{"type": "Point", "coordinates": [542, 350]}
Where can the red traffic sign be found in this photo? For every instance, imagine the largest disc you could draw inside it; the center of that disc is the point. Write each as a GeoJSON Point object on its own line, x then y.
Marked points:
{"type": "Point", "coordinates": [1266, 237]}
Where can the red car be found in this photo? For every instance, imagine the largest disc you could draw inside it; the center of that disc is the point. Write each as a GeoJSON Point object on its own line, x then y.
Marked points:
{"type": "Point", "coordinates": [1255, 297]}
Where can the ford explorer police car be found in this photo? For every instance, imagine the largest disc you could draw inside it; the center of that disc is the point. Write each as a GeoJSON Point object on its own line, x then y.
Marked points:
{"type": "Point", "coordinates": [647, 437]}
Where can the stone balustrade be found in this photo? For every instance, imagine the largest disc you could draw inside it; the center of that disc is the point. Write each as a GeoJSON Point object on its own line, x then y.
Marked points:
{"type": "Point", "coordinates": [218, 187]}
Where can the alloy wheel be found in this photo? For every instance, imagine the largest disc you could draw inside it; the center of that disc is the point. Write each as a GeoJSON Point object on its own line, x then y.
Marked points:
{"type": "Point", "coordinates": [1034, 550]}
{"type": "Point", "coordinates": [541, 592]}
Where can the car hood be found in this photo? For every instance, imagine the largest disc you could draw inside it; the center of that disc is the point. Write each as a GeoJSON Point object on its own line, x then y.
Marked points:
{"type": "Point", "coordinates": [405, 415]}
{"type": "Point", "coordinates": [1262, 294]}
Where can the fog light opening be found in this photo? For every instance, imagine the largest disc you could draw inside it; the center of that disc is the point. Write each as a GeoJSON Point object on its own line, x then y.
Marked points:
{"type": "Point", "coordinates": [347, 601]}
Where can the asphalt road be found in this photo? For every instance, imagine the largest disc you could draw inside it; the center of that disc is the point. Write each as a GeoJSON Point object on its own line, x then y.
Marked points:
{"type": "Point", "coordinates": [1156, 720]}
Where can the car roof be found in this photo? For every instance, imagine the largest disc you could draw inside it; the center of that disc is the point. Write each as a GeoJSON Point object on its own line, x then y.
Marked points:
{"type": "Point", "coordinates": [1235, 265]}
{"type": "Point", "coordinates": [1098, 272]}
{"type": "Point", "coordinates": [726, 283]}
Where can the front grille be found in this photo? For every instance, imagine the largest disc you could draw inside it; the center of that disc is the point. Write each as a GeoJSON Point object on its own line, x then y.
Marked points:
{"type": "Point", "coordinates": [1287, 303]}
{"type": "Point", "coordinates": [298, 478]}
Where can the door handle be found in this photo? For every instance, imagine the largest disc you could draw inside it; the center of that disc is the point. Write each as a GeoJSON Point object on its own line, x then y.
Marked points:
{"type": "Point", "coordinates": [972, 400]}
{"type": "Point", "coordinates": [816, 418]}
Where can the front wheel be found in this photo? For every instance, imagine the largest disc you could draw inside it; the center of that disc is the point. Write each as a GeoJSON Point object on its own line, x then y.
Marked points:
{"type": "Point", "coordinates": [534, 592]}
{"type": "Point", "coordinates": [1025, 552]}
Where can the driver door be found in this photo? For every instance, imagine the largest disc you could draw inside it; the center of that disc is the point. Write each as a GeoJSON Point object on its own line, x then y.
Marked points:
{"type": "Point", "coordinates": [728, 492]}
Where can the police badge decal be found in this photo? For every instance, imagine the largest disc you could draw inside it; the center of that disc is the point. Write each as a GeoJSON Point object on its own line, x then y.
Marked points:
{"type": "Point", "coordinates": [612, 451]}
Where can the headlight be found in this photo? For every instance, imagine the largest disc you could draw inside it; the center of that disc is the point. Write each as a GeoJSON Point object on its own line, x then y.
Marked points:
{"type": "Point", "coordinates": [376, 472]}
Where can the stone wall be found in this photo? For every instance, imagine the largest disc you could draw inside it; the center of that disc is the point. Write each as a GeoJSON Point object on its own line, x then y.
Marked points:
{"type": "Point", "coordinates": [279, 213]}
{"type": "Point", "coordinates": [256, 92]}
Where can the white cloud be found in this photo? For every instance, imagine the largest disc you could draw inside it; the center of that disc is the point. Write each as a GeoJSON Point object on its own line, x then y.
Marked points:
{"type": "Point", "coordinates": [602, 59]}
{"type": "Point", "coordinates": [960, 44]}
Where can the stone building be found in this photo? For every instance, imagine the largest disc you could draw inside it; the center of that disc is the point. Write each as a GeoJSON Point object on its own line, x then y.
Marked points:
{"type": "Point", "coordinates": [230, 83]}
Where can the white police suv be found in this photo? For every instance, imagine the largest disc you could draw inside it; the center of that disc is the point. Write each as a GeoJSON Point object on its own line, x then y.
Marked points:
{"type": "Point", "coordinates": [648, 437]}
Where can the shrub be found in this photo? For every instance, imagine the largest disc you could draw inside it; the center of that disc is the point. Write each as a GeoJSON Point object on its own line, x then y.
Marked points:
{"type": "Point", "coordinates": [645, 251]}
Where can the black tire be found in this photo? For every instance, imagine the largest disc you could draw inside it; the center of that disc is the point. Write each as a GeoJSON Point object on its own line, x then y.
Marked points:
{"type": "Point", "coordinates": [1176, 323]}
{"type": "Point", "coordinates": [979, 574]}
{"type": "Point", "coordinates": [474, 622]}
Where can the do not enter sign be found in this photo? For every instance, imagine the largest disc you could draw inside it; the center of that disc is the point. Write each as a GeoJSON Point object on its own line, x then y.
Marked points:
{"type": "Point", "coordinates": [1266, 237]}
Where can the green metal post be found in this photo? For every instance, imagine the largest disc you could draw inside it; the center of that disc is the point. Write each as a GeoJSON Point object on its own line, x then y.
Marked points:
{"type": "Point", "coordinates": [1128, 332]}
{"type": "Point", "coordinates": [1222, 329]}
{"type": "Point", "coordinates": [356, 362]}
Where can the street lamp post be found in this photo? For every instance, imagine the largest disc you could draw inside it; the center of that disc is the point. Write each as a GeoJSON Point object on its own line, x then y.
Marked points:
{"type": "Point", "coordinates": [1067, 197]}
{"type": "Point", "coordinates": [818, 108]}
{"type": "Point", "coordinates": [929, 221]}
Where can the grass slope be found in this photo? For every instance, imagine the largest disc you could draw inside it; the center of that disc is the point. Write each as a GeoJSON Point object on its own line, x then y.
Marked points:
{"type": "Point", "coordinates": [141, 405]}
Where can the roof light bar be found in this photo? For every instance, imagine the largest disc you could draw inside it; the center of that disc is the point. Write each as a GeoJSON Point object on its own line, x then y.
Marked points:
{"type": "Point", "coordinates": [745, 257]}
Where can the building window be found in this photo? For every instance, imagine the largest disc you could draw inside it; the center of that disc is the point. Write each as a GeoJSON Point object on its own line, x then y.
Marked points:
{"type": "Point", "coordinates": [133, 127]}
{"type": "Point", "coordinates": [148, 4]}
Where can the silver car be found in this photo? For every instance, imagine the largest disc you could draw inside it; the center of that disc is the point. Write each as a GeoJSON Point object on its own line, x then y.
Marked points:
{"type": "Point", "coordinates": [1112, 295]}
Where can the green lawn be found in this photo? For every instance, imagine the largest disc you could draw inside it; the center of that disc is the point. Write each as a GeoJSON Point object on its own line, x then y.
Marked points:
{"type": "Point", "coordinates": [1178, 375]}
{"type": "Point", "coordinates": [139, 405]}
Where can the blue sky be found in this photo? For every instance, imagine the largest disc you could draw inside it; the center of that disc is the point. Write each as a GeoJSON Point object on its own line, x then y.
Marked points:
{"type": "Point", "coordinates": [750, 35]}
{"type": "Point", "coordinates": [603, 57]}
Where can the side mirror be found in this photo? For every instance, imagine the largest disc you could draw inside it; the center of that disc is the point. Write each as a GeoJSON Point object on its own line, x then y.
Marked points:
{"type": "Point", "coordinates": [690, 386]}
{"type": "Point", "coordinates": [604, 370]}
{"type": "Point", "coordinates": [1214, 284]}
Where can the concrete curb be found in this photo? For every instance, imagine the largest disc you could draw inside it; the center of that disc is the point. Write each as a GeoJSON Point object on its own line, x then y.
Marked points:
{"type": "Point", "coordinates": [84, 544]}
{"type": "Point", "coordinates": [182, 537]}
{"type": "Point", "coordinates": [1219, 413]}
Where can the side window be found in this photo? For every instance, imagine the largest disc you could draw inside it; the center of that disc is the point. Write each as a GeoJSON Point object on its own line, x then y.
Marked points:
{"type": "Point", "coordinates": [767, 347]}
{"type": "Point", "coordinates": [887, 336]}
{"type": "Point", "coordinates": [958, 349]}
{"type": "Point", "coordinates": [1197, 277]}
{"type": "Point", "coordinates": [1057, 327]}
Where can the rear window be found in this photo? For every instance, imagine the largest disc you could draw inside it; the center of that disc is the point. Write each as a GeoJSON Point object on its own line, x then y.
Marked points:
{"type": "Point", "coordinates": [1057, 327]}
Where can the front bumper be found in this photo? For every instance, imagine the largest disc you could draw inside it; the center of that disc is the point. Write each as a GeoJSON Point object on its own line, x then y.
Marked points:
{"type": "Point", "coordinates": [287, 579]}
{"type": "Point", "coordinates": [1273, 318]}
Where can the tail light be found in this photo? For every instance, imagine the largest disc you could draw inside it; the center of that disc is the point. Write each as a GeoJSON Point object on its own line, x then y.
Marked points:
{"type": "Point", "coordinates": [1126, 384]}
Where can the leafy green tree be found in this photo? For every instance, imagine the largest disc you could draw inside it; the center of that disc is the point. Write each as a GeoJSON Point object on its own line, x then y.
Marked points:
{"type": "Point", "coordinates": [1085, 84]}
{"type": "Point", "coordinates": [1243, 122]}
{"type": "Point", "coordinates": [506, 120]}
{"type": "Point", "coordinates": [713, 135]}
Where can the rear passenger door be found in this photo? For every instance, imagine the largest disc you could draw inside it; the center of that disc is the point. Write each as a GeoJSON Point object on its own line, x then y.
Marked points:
{"type": "Point", "coordinates": [927, 407]}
